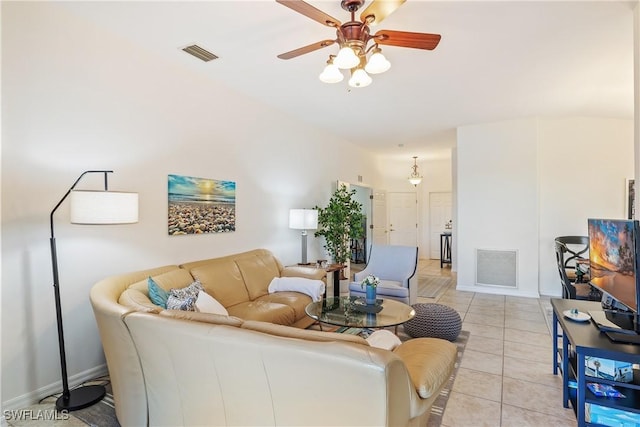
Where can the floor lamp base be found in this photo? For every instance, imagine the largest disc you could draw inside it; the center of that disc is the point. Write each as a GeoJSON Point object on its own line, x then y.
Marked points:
{"type": "Point", "coordinates": [80, 398]}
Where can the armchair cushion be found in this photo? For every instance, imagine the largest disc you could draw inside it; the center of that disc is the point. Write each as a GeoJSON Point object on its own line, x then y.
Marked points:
{"type": "Point", "coordinates": [395, 265]}
{"type": "Point", "coordinates": [389, 288]}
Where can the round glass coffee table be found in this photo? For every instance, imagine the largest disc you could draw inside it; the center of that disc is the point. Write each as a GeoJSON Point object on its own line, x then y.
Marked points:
{"type": "Point", "coordinates": [352, 312]}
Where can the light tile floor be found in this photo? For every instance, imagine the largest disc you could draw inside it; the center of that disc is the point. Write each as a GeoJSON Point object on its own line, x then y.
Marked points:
{"type": "Point", "coordinates": [505, 378]}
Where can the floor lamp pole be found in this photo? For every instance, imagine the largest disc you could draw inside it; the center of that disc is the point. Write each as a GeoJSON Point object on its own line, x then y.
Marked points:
{"type": "Point", "coordinates": [81, 397]}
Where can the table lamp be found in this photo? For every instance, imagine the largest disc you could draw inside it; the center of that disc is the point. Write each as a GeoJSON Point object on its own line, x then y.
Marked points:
{"type": "Point", "coordinates": [87, 207]}
{"type": "Point", "coordinates": [303, 219]}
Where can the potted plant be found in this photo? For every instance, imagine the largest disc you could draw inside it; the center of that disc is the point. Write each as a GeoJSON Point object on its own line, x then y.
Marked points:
{"type": "Point", "coordinates": [340, 221]}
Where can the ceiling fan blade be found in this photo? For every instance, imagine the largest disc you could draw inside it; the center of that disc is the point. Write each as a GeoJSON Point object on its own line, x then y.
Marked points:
{"type": "Point", "coordinates": [311, 12]}
{"type": "Point", "coordinates": [407, 39]}
{"type": "Point", "coordinates": [306, 49]}
{"type": "Point", "coordinates": [380, 9]}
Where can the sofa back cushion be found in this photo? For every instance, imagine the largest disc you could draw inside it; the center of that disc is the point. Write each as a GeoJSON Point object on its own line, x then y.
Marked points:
{"type": "Point", "coordinates": [257, 272]}
{"type": "Point", "coordinates": [221, 278]}
{"type": "Point", "coordinates": [177, 278]}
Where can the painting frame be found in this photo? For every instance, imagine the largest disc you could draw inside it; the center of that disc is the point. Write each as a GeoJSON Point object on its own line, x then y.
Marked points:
{"type": "Point", "coordinates": [200, 205]}
{"type": "Point", "coordinates": [630, 199]}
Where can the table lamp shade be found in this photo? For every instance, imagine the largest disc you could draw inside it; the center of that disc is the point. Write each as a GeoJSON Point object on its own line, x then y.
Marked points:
{"type": "Point", "coordinates": [103, 207]}
{"type": "Point", "coordinates": [303, 219]}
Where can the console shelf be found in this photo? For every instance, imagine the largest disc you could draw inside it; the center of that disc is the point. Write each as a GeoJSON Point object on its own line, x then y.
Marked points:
{"type": "Point", "coordinates": [583, 339]}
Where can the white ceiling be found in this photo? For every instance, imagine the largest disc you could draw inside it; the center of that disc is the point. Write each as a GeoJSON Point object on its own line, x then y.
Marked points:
{"type": "Point", "coordinates": [496, 61]}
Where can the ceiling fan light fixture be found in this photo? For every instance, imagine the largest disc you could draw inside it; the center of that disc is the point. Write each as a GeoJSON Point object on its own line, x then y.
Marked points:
{"type": "Point", "coordinates": [360, 78]}
{"type": "Point", "coordinates": [331, 73]}
{"type": "Point", "coordinates": [377, 62]}
{"type": "Point", "coordinates": [415, 178]}
{"type": "Point", "coordinates": [346, 58]}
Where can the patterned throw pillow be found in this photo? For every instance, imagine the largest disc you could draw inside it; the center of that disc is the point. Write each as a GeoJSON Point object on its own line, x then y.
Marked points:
{"type": "Point", "coordinates": [157, 295]}
{"type": "Point", "coordinates": [175, 303]}
{"type": "Point", "coordinates": [184, 298]}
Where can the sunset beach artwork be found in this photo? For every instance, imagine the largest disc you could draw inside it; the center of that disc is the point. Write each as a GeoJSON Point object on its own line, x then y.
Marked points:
{"type": "Point", "coordinates": [200, 205]}
{"type": "Point", "coordinates": [612, 258]}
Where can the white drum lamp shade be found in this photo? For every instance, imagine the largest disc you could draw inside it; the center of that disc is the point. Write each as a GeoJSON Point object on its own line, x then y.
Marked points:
{"type": "Point", "coordinates": [103, 207]}
{"type": "Point", "coordinates": [303, 219]}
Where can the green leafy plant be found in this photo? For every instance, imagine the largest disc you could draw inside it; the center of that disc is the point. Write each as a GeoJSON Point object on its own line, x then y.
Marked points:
{"type": "Point", "coordinates": [340, 221]}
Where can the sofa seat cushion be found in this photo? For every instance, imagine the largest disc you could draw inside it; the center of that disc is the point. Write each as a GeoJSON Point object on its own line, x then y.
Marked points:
{"type": "Point", "coordinates": [429, 361]}
{"type": "Point", "coordinates": [196, 316]}
{"type": "Point", "coordinates": [264, 311]}
{"type": "Point", "coordinates": [305, 334]}
{"type": "Point", "coordinates": [138, 301]}
{"type": "Point", "coordinates": [295, 300]}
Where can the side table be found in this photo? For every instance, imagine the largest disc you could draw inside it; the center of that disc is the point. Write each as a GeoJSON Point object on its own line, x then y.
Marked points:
{"type": "Point", "coordinates": [336, 269]}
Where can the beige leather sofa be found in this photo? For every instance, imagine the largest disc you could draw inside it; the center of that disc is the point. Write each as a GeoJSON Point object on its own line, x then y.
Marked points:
{"type": "Point", "coordinates": [253, 367]}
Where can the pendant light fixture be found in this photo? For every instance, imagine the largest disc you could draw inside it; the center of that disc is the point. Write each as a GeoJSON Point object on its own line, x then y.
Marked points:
{"type": "Point", "coordinates": [415, 178]}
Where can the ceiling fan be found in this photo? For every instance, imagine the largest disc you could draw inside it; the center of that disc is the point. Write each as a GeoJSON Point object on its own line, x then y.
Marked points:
{"type": "Point", "coordinates": [356, 41]}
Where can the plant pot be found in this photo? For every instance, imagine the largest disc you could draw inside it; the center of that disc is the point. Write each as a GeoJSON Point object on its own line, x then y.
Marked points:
{"type": "Point", "coordinates": [370, 297]}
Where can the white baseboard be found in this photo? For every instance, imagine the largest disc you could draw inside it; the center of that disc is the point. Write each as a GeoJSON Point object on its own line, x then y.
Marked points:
{"type": "Point", "coordinates": [34, 397]}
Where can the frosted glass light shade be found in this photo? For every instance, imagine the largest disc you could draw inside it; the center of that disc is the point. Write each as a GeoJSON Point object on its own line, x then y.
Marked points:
{"type": "Point", "coordinates": [346, 58]}
{"type": "Point", "coordinates": [303, 219]}
{"type": "Point", "coordinates": [360, 78]}
{"type": "Point", "coordinates": [377, 64]}
{"type": "Point", "coordinates": [103, 207]}
{"type": "Point", "coordinates": [415, 181]}
{"type": "Point", "coordinates": [331, 74]}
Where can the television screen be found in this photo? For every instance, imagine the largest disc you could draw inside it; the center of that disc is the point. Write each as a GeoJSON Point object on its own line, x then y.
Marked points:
{"type": "Point", "coordinates": [612, 259]}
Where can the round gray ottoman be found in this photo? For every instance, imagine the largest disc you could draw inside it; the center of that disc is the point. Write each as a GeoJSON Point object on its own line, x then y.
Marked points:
{"type": "Point", "coordinates": [434, 320]}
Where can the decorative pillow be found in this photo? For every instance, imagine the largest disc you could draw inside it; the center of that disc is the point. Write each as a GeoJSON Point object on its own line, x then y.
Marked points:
{"type": "Point", "coordinates": [175, 303]}
{"type": "Point", "coordinates": [157, 295]}
{"type": "Point", "coordinates": [184, 298]}
{"type": "Point", "coordinates": [208, 304]}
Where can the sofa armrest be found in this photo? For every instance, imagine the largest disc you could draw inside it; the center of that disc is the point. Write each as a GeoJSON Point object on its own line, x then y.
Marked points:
{"type": "Point", "coordinates": [306, 272]}
{"type": "Point", "coordinates": [429, 361]}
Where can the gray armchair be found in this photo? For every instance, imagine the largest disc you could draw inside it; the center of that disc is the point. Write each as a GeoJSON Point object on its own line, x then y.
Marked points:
{"type": "Point", "coordinates": [396, 267]}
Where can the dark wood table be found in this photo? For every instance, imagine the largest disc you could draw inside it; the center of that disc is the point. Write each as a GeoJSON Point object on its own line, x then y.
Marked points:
{"type": "Point", "coordinates": [336, 269]}
{"type": "Point", "coordinates": [584, 339]}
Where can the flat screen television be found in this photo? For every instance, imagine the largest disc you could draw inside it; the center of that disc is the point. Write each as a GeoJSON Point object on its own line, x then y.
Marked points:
{"type": "Point", "coordinates": [614, 256]}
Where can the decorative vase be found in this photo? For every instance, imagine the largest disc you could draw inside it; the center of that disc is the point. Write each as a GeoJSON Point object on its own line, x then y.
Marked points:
{"type": "Point", "coordinates": [370, 297]}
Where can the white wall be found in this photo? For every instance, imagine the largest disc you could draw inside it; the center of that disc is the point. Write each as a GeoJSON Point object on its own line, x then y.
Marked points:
{"type": "Point", "coordinates": [497, 200]}
{"type": "Point", "coordinates": [76, 98]}
{"type": "Point", "coordinates": [584, 165]}
{"type": "Point", "coordinates": [521, 183]}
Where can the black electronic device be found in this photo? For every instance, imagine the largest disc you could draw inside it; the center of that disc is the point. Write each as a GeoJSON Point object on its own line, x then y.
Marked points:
{"type": "Point", "coordinates": [614, 257]}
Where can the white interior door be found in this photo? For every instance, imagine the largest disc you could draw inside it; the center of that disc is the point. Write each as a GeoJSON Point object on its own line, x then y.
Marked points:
{"type": "Point", "coordinates": [379, 235]}
{"type": "Point", "coordinates": [439, 215]}
{"type": "Point", "coordinates": [403, 219]}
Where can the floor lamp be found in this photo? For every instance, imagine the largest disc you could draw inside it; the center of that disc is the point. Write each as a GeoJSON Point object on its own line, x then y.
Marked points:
{"type": "Point", "coordinates": [303, 219]}
{"type": "Point", "coordinates": [87, 207]}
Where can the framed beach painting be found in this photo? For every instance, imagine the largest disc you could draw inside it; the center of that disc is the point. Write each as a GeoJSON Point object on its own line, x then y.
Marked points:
{"type": "Point", "coordinates": [200, 205]}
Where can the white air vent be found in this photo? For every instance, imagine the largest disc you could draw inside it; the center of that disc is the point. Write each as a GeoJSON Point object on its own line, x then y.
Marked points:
{"type": "Point", "coordinates": [200, 53]}
{"type": "Point", "coordinates": [497, 268]}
